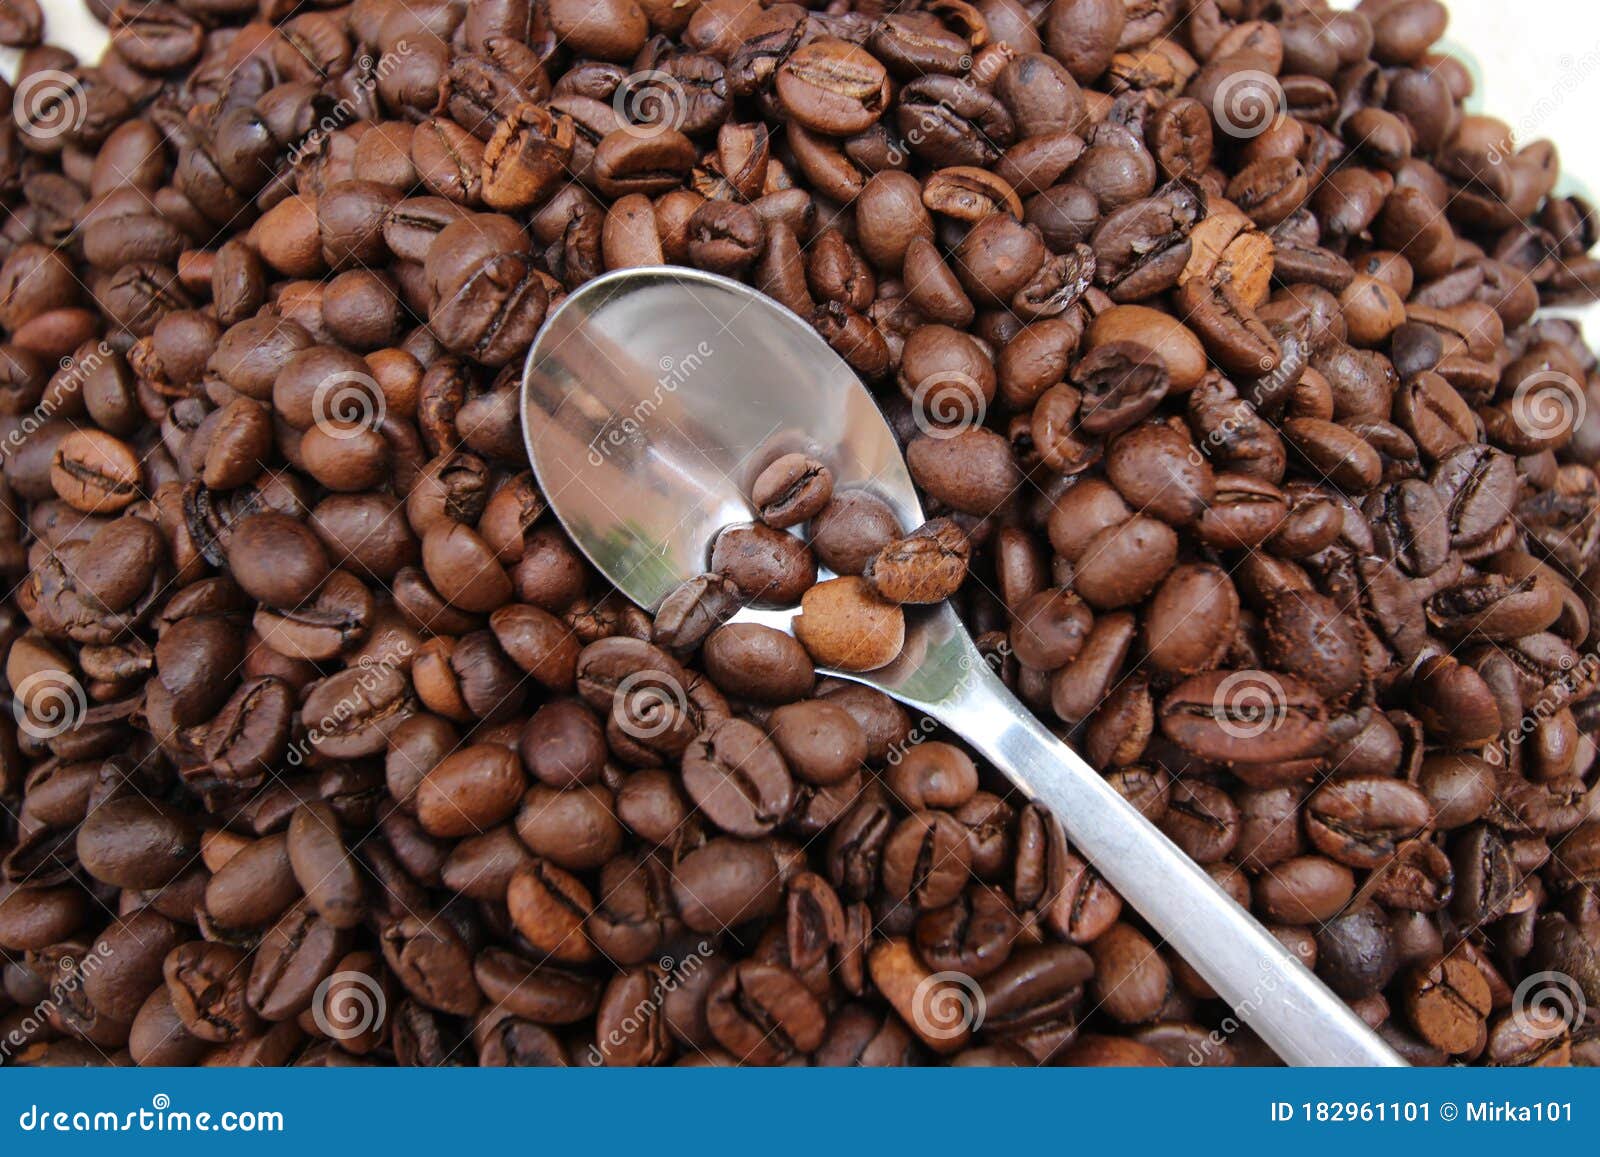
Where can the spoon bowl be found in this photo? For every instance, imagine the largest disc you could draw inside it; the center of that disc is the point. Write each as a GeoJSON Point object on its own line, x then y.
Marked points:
{"type": "Point", "coordinates": [644, 442]}
{"type": "Point", "coordinates": [651, 400]}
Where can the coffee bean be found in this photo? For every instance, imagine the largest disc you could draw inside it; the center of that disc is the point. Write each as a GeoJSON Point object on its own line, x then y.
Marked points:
{"type": "Point", "coordinates": [758, 662]}
{"type": "Point", "coordinates": [820, 741]}
{"type": "Point", "coordinates": [94, 472]}
{"type": "Point", "coordinates": [292, 960]}
{"type": "Point", "coordinates": [850, 529]}
{"type": "Point", "coordinates": [207, 987]}
{"type": "Point", "coordinates": [470, 791]}
{"type": "Point", "coordinates": [738, 778]}
{"type": "Point", "coordinates": [925, 860]}
{"type": "Point", "coordinates": [133, 843]}
{"type": "Point", "coordinates": [1360, 821]}
{"type": "Point", "coordinates": [832, 87]}
{"type": "Point", "coordinates": [763, 1015]}
{"type": "Point", "coordinates": [767, 566]}
{"type": "Point", "coordinates": [1447, 1002]}
{"type": "Point", "coordinates": [726, 882]}
{"type": "Point", "coordinates": [843, 624]}
{"type": "Point", "coordinates": [927, 566]}
{"type": "Point", "coordinates": [791, 490]}
{"type": "Point", "coordinates": [694, 610]}
{"type": "Point", "coordinates": [1249, 716]}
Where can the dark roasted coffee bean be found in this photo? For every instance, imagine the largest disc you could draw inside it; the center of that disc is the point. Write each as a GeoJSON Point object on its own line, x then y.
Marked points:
{"type": "Point", "coordinates": [207, 985]}
{"type": "Point", "coordinates": [769, 567]}
{"type": "Point", "coordinates": [1245, 716]}
{"type": "Point", "coordinates": [762, 1014]}
{"type": "Point", "coordinates": [1360, 821]}
{"type": "Point", "coordinates": [832, 87]}
{"type": "Point", "coordinates": [791, 490]}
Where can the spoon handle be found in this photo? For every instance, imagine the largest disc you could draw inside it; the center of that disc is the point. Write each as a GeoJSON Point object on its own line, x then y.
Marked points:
{"type": "Point", "coordinates": [1277, 996]}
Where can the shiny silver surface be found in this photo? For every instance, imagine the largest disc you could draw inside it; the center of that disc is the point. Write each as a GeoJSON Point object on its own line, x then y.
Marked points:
{"type": "Point", "coordinates": [651, 400]}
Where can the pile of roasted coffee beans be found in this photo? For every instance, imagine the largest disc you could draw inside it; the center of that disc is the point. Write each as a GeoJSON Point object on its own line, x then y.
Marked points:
{"type": "Point", "coordinates": [1210, 330]}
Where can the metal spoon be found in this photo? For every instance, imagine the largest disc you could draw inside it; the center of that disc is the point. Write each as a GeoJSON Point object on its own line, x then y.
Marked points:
{"type": "Point", "coordinates": [653, 397]}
